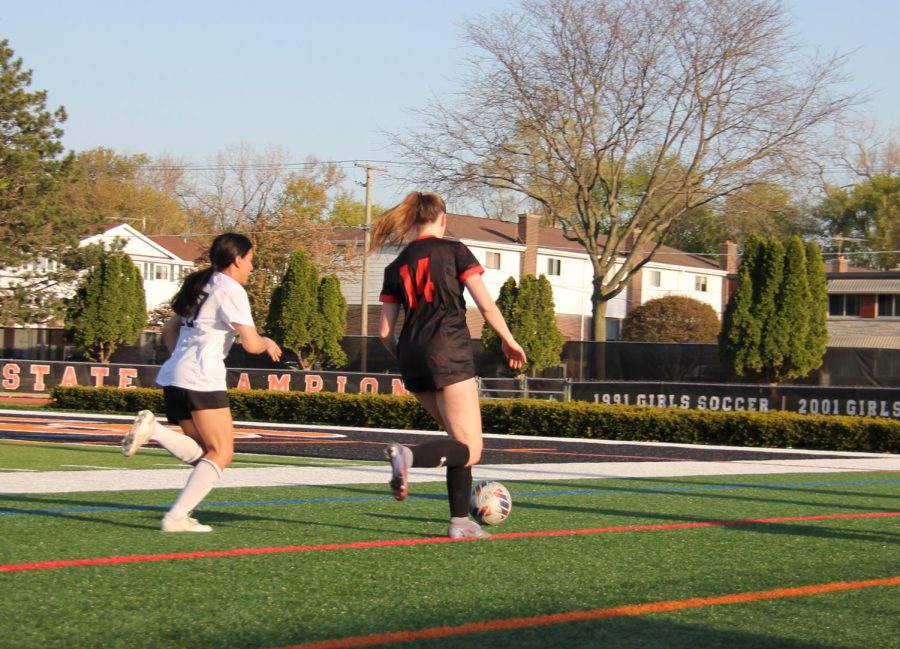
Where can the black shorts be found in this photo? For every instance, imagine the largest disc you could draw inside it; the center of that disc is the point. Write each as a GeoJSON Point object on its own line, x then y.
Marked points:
{"type": "Point", "coordinates": [180, 402]}
{"type": "Point", "coordinates": [433, 382]}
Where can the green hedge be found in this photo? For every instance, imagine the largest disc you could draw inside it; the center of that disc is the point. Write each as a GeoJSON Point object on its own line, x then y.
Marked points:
{"type": "Point", "coordinates": [532, 417]}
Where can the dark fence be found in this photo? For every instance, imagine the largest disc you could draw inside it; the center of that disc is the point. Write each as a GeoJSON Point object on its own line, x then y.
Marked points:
{"type": "Point", "coordinates": [581, 361]}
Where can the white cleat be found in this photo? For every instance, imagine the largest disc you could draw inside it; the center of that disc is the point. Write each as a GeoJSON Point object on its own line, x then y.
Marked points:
{"type": "Point", "coordinates": [468, 530]}
{"type": "Point", "coordinates": [186, 524]}
{"type": "Point", "coordinates": [139, 433]}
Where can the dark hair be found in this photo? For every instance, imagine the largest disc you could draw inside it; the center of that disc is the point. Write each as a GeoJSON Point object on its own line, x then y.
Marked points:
{"type": "Point", "coordinates": [417, 208]}
{"type": "Point", "coordinates": [222, 253]}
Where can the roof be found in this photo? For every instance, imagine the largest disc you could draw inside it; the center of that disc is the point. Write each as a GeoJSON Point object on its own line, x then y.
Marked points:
{"type": "Point", "coordinates": [182, 248]}
{"type": "Point", "coordinates": [859, 340]}
{"type": "Point", "coordinates": [485, 230]}
{"type": "Point", "coordinates": [864, 285]}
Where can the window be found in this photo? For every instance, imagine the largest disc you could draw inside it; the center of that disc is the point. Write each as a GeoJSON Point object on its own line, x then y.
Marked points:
{"type": "Point", "coordinates": [146, 267]}
{"type": "Point", "coordinates": [554, 266]}
{"type": "Point", "coordinates": [843, 305]}
{"type": "Point", "coordinates": [492, 261]}
{"type": "Point", "coordinates": [655, 278]}
{"type": "Point", "coordinates": [161, 271]}
{"type": "Point", "coordinates": [700, 283]}
{"type": "Point", "coordinates": [889, 306]}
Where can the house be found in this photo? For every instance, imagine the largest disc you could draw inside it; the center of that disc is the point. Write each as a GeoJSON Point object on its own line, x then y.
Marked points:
{"type": "Point", "coordinates": [163, 260]}
{"type": "Point", "coordinates": [863, 304]}
{"type": "Point", "coordinates": [514, 249]}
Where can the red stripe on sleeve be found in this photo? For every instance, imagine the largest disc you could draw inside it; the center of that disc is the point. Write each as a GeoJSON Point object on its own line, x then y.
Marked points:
{"type": "Point", "coordinates": [474, 270]}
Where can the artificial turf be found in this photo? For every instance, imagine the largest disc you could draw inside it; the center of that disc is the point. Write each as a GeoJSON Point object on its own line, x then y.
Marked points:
{"type": "Point", "coordinates": [284, 598]}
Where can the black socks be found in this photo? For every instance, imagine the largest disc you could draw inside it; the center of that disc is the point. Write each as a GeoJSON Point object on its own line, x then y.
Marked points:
{"type": "Point", "coordinates": [453, 455]}
{"type": "Point", "coordinates": [459, 490]}
{"type": "Point", "coordinates": [442, 452]}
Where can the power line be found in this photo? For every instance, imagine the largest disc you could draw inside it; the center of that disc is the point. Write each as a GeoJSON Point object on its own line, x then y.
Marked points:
{"type": "Point", "coordinates": [226, 166]}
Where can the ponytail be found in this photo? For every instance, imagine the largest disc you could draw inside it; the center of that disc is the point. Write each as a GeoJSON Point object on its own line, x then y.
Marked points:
{"type": "Point", "coordinates": [416, 209]}
{"type": "Point", "coordinates": [224, 250]}
{"type": "Point", "coordinates": [188, 296]}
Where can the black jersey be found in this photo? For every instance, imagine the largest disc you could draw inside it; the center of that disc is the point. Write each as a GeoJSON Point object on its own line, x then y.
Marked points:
{"type": "Point", "coordinates": [427, 278]}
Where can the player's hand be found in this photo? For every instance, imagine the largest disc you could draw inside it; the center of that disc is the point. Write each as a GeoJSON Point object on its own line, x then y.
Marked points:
{"type": "Point", "coordinates": [514, 354]}
{"type": "Point", "coordinates": [273, 350]}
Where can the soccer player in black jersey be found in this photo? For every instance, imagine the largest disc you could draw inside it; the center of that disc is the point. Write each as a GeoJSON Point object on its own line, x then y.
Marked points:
{"type": "Point", "coordinates": [427, 280]}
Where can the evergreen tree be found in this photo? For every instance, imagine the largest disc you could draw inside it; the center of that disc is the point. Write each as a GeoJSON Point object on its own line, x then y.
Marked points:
{"type": "Point", "coordinates": [109, 307]}
{"type": "Point", "coordinates": [537, 325]}
{"type": "Point", "coordinates": [789, 323]}
{"type": "Point", "coordinates": [294, 319]}
{"type": "Point", "coordinates": [33, 174]}
{"type": "Point", "coordinates": [333, 308]}
{"type": "Point", "coordinates": [769, 273]}
{"type": "Point", "coordinates": [817, 336]}
{"type": "Point", "coordinates": [530, 313]}
{"type": "Point", "coordinates": [775, 322]}
{"type": "Point", "coordinates": [741, 330]}
{"type": "Point", "coordinates": [506, 303]}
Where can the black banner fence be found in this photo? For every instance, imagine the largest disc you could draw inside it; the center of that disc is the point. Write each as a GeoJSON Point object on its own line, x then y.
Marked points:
{"type": "Point", "coordinates": [36, 377]}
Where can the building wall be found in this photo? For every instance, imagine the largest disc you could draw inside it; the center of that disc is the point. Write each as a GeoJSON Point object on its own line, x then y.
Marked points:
{"type": "Point", "coordinates": [571, 287]}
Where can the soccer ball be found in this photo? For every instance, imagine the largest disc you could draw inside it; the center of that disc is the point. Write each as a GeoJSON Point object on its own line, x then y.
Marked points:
{"type": "Point", "coordinates": [490, 502]}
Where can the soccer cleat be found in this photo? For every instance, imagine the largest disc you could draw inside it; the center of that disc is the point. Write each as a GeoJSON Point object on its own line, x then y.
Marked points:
{"type": "Point", "coordinates": [139, 433]}
{"type": "Point", "coordinates": [399, 471]}
{"type": "Point", "coordinates": [468, 530]}
{"type": "Point", "coordinates": [186, 524]}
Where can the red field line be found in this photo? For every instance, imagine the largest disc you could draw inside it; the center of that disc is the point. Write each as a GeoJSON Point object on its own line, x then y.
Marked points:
{"type": "Point", "coordinates": [238, 552]}
{"type": "Point", "coordinates": [510, 624]}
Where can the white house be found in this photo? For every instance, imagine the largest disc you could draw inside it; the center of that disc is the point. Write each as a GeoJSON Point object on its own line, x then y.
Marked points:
{"type": "Point", "coordinates": [163, 260]}
{"type": "Point", "coordinates": [508, 249]}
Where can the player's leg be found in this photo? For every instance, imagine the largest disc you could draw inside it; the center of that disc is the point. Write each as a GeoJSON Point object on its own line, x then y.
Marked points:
{"type": "Point", "coordinates": [461, 410]}
{"type": "Point", "coordinates": [461, 413]}
{"type": "Point", "coordinates": [441, 452]}
{"type": "Point", "coordinates": [146, 428]}
{"type": "Point", "coordinates": [428, 400]}
{"type": "Point", "coordinates": [216, 429]}
{"type": "Point", "coordinates": [459, 491]}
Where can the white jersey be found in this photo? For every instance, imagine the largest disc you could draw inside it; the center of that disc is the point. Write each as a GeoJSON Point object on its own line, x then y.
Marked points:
{"type": "Point", "coordinates": [198, 360]}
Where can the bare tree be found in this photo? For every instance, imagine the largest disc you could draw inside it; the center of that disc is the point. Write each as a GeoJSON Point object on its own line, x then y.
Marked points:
{"type": "Point", "coordinates": [870, 150]}
{"type": "Point", "coordinates": [281, 207]}
{"type": "Point", "coordinates": [617, 117]}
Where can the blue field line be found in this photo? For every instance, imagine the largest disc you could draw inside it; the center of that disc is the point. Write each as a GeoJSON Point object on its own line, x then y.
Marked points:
{"type": "Point", "coordinates": [518, 494]}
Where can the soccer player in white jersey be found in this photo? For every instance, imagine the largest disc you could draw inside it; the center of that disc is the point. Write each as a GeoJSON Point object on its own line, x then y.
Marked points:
{"type": "Point", "coordinates": [211, 310]}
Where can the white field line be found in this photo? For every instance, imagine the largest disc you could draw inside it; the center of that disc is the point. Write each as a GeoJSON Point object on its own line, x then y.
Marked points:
{"type": "Point", "coordinates": [150, 479]}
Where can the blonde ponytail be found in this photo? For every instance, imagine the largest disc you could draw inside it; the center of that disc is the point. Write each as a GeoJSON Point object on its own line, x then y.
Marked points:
{"type": "Point", "coordinates": [417, 208]}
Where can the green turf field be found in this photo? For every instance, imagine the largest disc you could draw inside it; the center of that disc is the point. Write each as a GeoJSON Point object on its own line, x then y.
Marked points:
{"type": "Point", "coordinates": [311, 583]}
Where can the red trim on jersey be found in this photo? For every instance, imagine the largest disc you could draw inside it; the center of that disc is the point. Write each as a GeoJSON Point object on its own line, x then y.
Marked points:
{"type": "Point", "coordinates": [425, 236]}
{"type": "Point", "coordinates": [474, 270]}
{"type": "Point", "coordinates": [385, 297]}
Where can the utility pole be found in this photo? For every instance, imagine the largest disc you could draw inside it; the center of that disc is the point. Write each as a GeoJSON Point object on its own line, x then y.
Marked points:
{"type": "Point", "coordinates": [364, 288]}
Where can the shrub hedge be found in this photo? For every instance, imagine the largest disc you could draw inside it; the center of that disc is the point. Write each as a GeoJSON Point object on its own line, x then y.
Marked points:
{"type": "Point", "coordinates": [531, 417]}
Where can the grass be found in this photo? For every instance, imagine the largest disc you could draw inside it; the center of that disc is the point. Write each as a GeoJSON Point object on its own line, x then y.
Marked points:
{"type": "Point", "coordinates": [29, 456]}
{"type": "Point", "coordinates": [280, 599]}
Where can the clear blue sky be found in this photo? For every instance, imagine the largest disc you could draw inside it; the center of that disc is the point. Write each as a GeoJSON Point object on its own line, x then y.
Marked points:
{"type": "Point", "coordinates": [189, 77]}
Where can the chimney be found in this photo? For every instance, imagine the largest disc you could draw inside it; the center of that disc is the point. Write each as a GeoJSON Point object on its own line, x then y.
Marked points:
{"type": "Point", "coordinates": [529, 232]}
{"type": "Point", "coordinates": [728, 257]}
{"type": "Point", "coordinates": [839, 265]}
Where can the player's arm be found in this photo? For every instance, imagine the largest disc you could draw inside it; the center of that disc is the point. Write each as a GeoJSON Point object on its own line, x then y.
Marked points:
{"type": "Point", "coordinates": [170, 332]}
{"type": "Point", "coordinates": [389, 313]}
{"type": "Point", "coordinates": [513, 350]}
{"type": "Point", "coordinates": [253, 343]}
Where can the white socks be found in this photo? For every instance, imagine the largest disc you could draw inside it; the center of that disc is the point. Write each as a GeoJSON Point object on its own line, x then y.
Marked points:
{"type": "Point", "coordinates": [199, 484]}
{"type": "Point", "coordinates": [178, 444]}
